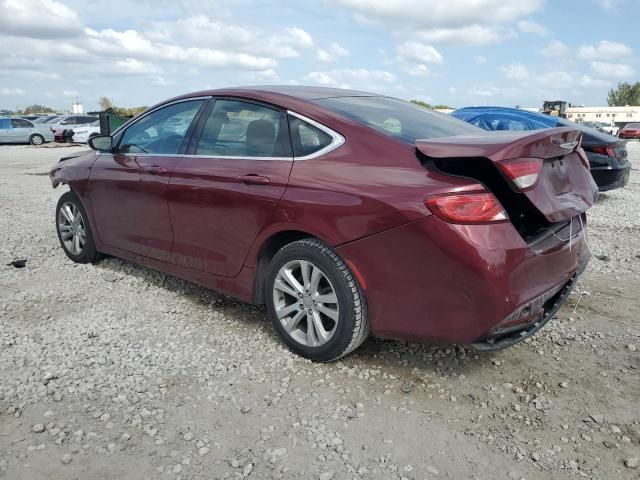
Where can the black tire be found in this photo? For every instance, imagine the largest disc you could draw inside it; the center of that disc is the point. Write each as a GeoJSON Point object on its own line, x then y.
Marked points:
{"type": "Point", "coordinates": [88, 252]}
{"type": "Point", "coordinates": [352, 327]}
{"type": "Point", "coordinates": [36, 139]}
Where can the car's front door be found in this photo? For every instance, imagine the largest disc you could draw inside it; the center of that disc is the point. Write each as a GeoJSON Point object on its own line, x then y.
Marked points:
{"type": "Point", "coordinates": [128, 187]}
{"type": "Point", "coordinates": [224, 190]}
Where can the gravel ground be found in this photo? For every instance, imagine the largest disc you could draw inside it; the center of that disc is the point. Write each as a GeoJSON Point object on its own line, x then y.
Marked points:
{"type": "Point", "coordinates": [113, 371]}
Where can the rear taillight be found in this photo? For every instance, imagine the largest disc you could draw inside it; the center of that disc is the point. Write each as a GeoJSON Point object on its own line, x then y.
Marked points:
{"type": "Point", "coordinates": [524, 172]}
{"type": "Point", "coordinates": [604, 151]}
{"type": "Point", "coordinates": [467, 208]}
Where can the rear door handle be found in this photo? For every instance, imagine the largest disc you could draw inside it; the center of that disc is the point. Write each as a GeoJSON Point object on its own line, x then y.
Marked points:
{"type": "Point", "coordinates": [155, 170]}
{"type": "Point", "coordinates": [253, 179]}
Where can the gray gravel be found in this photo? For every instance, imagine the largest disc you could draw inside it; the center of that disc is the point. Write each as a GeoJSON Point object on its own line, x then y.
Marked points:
{"type": "Point", "coordinates": [115, 371]}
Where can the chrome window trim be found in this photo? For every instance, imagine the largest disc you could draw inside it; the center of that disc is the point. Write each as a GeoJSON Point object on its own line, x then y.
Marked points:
{"type": "Point", "coordinates": [337, 140]}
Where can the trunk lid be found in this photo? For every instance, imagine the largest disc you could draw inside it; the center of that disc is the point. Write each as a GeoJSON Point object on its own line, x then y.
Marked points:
{"type": "Point", "coordinates": [565, 187]}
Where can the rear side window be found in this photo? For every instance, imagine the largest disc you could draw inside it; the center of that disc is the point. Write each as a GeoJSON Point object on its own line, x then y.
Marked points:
{"type": "Point", "coordinates": [241, 129]}
{"type": "Point", "coordinates": [20, 123]}
{"type": "Point", "coordinates": [401, 120]}
{"type": "Point", "coordinates": [306, 138]}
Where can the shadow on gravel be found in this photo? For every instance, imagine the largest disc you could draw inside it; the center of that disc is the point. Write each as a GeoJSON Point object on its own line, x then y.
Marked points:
{"type": "Point", "coordinates": [396, 356]}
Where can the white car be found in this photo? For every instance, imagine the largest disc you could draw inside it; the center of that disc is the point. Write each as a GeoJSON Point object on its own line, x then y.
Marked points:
{"type": "Point", "coordinates": [611, 130]}
{"type": "Point", "coordinates": [85, 132]}
{"type": "Point", "coordinates": [70, 123]}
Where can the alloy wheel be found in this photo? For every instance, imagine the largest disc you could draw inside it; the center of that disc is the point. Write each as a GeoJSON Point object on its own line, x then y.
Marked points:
{"type": "Point", "coordinates": [72, 228]}
{"type": "Point", "coordinates": [306, 303]}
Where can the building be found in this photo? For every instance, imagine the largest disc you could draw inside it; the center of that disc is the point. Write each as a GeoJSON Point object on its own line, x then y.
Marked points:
{"type": "Point", "coordinates": [618, 115]}
{"type": "Point", "coordinates": [77, 108]}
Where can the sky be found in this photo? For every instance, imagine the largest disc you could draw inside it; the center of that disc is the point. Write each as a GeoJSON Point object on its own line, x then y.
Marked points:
{"type": "Point", "coordinates": [453, 52]}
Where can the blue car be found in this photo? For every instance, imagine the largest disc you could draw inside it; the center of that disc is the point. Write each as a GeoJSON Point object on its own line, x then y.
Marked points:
{"type": "Point", "coordinates": [607, 155]}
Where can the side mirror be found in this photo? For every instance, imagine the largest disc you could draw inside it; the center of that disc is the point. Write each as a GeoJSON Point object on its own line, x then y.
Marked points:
{"type": "Point", "coordinates": [101, 143]}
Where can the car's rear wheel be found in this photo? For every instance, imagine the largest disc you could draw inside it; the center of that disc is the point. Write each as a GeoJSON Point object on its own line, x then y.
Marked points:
{"type": "Point", "coordinates": [74, 231]}
{"type": "Point", "coordinates": [36, 139]}
{"type": "Point", "coordinates": [315, 302]}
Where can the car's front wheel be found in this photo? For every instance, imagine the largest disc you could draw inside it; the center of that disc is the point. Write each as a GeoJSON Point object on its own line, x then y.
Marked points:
{"type": "Point", "coordinates": [74, 231]}
{"type": "Point", "coordinates": [36, 139]}
{"type": "Point", "coordinates": [315, 301]}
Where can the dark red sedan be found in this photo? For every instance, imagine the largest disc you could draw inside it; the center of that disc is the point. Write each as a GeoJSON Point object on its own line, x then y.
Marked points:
{"type": "Point", "coordinates": [630, 130]}
{"type": "Point", "coordinates": [344, 212]}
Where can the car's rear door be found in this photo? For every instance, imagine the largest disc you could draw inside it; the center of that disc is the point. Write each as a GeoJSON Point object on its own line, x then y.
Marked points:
{"type": "Point", "coordinates": [21, 131]}
{"type": "Point", "coordinates": [224, 190]}
{"type": "Point", "coordinates": [128, 187]}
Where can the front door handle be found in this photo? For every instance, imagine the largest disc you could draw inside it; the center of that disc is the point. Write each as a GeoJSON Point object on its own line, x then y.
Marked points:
{"type": "Point", "coordinates": [253, 179]}
{"type": "Point", "coordinates": [155, 170]}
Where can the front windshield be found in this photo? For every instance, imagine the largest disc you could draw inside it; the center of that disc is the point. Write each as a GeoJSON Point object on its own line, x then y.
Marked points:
{"type": "Point", "coordinates": [396, 118]}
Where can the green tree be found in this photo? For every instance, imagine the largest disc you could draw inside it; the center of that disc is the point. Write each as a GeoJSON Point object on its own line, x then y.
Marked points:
{"type": "Point", "coordinates": [428, 105]}
{"type": "Point", "coordinates": [31, 109]}
{"type": "Point", "coordinates": [624, 94]}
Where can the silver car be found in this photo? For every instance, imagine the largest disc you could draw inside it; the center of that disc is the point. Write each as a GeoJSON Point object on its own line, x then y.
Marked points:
{"type": "Point", "coordinates": [19, 130]}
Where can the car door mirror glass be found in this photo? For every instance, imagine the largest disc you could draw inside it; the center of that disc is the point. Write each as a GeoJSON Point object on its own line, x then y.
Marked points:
{"type": "Point", "coordinates": [101, 143]}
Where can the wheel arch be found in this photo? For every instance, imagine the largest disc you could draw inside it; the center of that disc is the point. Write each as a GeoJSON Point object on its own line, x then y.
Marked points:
{"type": "Point", "coordinates": [264, 253]}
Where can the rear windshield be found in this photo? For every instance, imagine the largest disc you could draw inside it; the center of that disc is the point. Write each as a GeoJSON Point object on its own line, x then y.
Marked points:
{"type": "Point", "coordinates": [398, 119]}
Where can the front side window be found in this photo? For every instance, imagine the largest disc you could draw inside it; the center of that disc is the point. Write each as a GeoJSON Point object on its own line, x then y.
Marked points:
{"type": "Point", "coordinates": [162, 131]}
{"type": "Point", "coordinates": [242, 129]}
{"type": "Point", "coordinates": [306, 138]}
{"type": "Point", "coordinates": [395, 118]}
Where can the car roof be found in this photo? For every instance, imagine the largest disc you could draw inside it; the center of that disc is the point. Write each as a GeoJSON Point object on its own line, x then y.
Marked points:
{"type": "Point", "coordinates": [302, 92]}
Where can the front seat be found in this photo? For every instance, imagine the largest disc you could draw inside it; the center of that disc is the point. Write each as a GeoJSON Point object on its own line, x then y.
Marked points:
{"type": "Point", "coordinates": [261, 138]}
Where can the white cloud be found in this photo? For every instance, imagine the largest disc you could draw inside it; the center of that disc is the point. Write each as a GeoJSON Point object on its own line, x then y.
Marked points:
{"type": "Point", "coordinates": [479, 59]}
{"type": "Point", "coordinates": [590, 82]}
{"type": "Point", "coordinates": [458, 22]}
{"type": "Point", "coordinates": [11, 91]}
{"type": "Point", "coordinates": [131, 66]}
{"type": "Point", "coordinates": [612, 70]}
{"type": "Point", "coordinates": [605, 50]}
{"type": "Point", "coordinates": [453, 13]}
{"type": "Point", "coordinates": [515, 71]}
{"type": "Point", "coordinates": [132, 44]}
{"type": "Point", "coordinates": [529, 26]}
{"type": "Point", "coordinates": [467, 35]}
{"type": "Point", "coordinates": [331, 54]}
{"type": "Point", "coordinates": [351, 78]}
{"type": "Point", "coordinates": [417, 70]}
{"type": "Point", "coordinates": [554, 80]}
{"type": "Point", "coordinates": [555, 49]}
{"type": "Point", "coordinates": [416, 52]}
{"type": "Point", "coordinates": [38, 19]}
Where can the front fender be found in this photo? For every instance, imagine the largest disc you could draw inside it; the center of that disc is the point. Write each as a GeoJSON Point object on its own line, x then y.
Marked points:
{"type": "Point", "coordinates": [73, 170]}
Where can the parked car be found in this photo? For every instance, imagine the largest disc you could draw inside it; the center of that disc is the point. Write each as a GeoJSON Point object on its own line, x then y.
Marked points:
{"type": "Point", "coordinates": [19, 130]}
{"type": "Point", "coordinates": [630, 130]}
{"type": "Point", "coordinates": [607, 154]}
{"type": "Point", "coordinates": [31, 118]}
{"type": "Point", "coordinates": [46, 118]}
{"type": "Point", "coordinates": [84, 133]}
{"type": "Point", "coordinates": [345, 212]}
{"type": "Point", "coordinates": [70, 122]}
